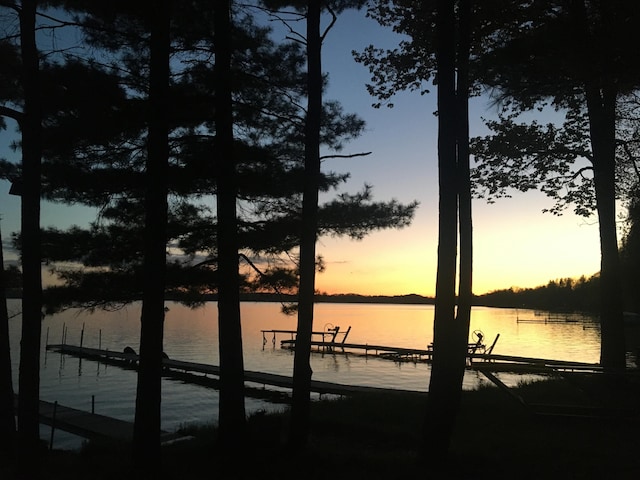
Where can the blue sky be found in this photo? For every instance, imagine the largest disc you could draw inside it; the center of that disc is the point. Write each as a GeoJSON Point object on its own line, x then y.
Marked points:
{"type": "Point", "coordinates": [515, 243]}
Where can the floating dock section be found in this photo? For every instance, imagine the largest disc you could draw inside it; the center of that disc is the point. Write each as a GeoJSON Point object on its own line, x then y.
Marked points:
{"type": "Point", "coordinates": [384, 351]}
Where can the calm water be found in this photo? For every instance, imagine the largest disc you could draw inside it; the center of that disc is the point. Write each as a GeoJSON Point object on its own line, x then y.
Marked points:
{"type": "Point", "coordinates": [192, 335]}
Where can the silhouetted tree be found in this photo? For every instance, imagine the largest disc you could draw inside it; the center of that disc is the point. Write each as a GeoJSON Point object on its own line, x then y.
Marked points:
{"type": "Point", "coordinates": [147, 425]}
{"type": "Point", "coordinates": [231, 419]}
{"type": "Point", "coordinates": [31, 132]}
{"type": "Point", "coordinates": [630, 256]}
{"type": "Point", "coordinates": [300, 406]}
{"type": "Point", "coordinates": [7, 413]}
{"type": "Point", "coordinates": [451, 327]}
{"type": "Point", "coordinates": [628, 183]}
{"type": "Point", "coordinates": [268, 157]}
{"type": "Point", "coordinates": [578, 56]}
{"type": "Point", "coordinates": [302, 373]}
{"type": "Point", "coordinates": [465, 217]}
{"type": "Point", "coordinates": [9, 77]}
{"type": "Point", "coordinates": [267, 84]}
{"type": "Point", "coordinates": [443, 53]}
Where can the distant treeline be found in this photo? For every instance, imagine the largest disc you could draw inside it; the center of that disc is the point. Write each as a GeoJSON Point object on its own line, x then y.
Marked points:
{"type": "Point", "coordinates": [410, 299]}
{"type": "Point", "coordinates": [565, 294]}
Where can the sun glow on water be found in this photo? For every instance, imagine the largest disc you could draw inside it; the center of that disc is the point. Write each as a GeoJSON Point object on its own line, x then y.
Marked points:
{"type": "Point", "coordinates": [191, 335]}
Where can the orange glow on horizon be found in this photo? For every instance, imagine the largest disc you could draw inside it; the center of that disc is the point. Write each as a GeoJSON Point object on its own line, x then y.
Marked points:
{"type": "Point", "coordinates": [515, 245]}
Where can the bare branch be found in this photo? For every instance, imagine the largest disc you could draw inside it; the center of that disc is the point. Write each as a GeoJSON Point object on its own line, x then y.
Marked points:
{"type": "Point", "coordinates": [363, 154]}
{"type": "Point", "coordinates": [280, 16]}
{"type": "Point", "coordinates": [11, 113]}
{"type": "Point", "coordinates": [61, 23]}
{"type": "Point", "coordinates": [301, 40]}
{"type": "Point", "coordinates": [334, 19]}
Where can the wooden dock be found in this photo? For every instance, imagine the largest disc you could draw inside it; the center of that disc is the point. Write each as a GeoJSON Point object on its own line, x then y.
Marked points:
{"type": "Point", "coordinates": [478, 355]}
{"type": "Point", "coordinates": [386, 351]}
{"type": "Point", "coordinates": [207, 374]}
{"type": "Point", "coordinates": [329, 335]}
{"type": "Point", "coordinates": [397, 353]}
{"type": "Point", "coordinates": [94, 426]}
{"type": "Point", "coordinates": [516, 364]}
{"type": "Point", "coordinates": [85, 424]}
{"type": "Point", "coordinates": [89, 425]}
{"type": "Point", "coordinates": [193, 372]}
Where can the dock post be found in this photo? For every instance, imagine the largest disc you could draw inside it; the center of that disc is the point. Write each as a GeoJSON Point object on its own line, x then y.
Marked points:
{"type": "Point", "coordinates": [82, 335]}
{"type": "Point", "coordinates": [46, 342]}
{"type": "Point", "coordinates": [93, 404]}
{"type": "Point", "coordinates": [53, 424]}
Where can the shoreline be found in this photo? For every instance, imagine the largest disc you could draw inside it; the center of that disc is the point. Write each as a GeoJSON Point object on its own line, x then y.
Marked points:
{"type": "Point", "coordinates": [354, 298]}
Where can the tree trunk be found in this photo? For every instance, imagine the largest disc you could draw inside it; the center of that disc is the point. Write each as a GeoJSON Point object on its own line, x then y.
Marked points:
{"type": "Point", "coordinates": [465, 281]}
{"type": "Point", "coordinates": [300, 407]}
{"type": "Point", "coordinates": [601, 107]}
{"type": "Point", "coordinates": [7, 414]}
{"type": "Point", "coordinates": [29, 376]}
{"type": "Point", "coordinates": [147, 425]}
{"type": "Point", "coordinates": [232, 411]}
{"type": "Point", "coordinates": [442, 386]}
{"type": "Point", "coordinates": [451, 328]}
{"type": "Point", "coordinates": [601, 95]}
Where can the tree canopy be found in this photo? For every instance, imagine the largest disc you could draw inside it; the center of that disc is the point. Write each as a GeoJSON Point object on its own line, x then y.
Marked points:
{"type": "Point", "coordinates": [95, 151]}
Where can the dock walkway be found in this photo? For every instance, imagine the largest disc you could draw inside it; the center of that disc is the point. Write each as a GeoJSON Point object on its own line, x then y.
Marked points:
{"type": "Point", "coordinates": [94, 426]}
{"type": "Point", "coordinates": [89, 425]}
{"type": "Point", "coordinates": [177, 368]}
{"type": "Point", "coordinates": [477, 354]}
{"type": "Point", "coordinates": [386, 351]}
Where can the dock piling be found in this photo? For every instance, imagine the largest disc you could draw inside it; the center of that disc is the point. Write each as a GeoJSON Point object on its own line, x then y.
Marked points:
{"type": "Point", "coordinates": [53, 424]}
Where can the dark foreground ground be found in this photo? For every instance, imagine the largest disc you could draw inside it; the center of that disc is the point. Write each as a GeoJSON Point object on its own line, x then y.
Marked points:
{"type": "Point", "coordinates": [378, 437]}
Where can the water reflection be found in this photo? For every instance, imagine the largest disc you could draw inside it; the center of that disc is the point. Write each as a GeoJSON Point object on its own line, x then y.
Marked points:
{"type": "Point", "coordinates": [192, 335]}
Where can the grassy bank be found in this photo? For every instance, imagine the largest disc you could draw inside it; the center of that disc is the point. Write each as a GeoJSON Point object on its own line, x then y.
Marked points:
{"type": "Point", "coordinates": [378, 437]}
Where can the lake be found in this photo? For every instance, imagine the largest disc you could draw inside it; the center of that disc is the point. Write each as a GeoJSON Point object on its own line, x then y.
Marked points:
{"type": "Point", "coordinates": [192, 335]}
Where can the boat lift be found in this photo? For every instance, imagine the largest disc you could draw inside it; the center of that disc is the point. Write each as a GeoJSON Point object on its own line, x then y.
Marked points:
{"type": "Point", "coordinates": [329, 335]}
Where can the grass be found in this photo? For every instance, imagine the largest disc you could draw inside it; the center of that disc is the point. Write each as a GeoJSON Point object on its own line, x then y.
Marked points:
{"type": "Point", "coordinates": [378, 437]}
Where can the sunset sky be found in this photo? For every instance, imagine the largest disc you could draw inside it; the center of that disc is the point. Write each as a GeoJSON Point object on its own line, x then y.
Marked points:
{"type": "Point", "coordinates": [515, 243]}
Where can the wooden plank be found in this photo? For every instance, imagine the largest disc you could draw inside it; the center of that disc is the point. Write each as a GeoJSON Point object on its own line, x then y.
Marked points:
{"type": "Point", "coordinates": [91, 426]}
{"type": "Point", "coordinates": [93, 352]}
{"type": "Point", "coordinates": [85, 424]}
{"type": "Point", "coordinates": [261, 378]}
{"type": "Point", "coordinates": [79, 422]}
{"type": "Point", "coordinates": [564, 364]}
{"type": "Point", "coordinates": [362, 346]}
{"type": "Point", "coordinates": [502, 386]}
{"type": "Point", "coordinates": [494, 362]}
